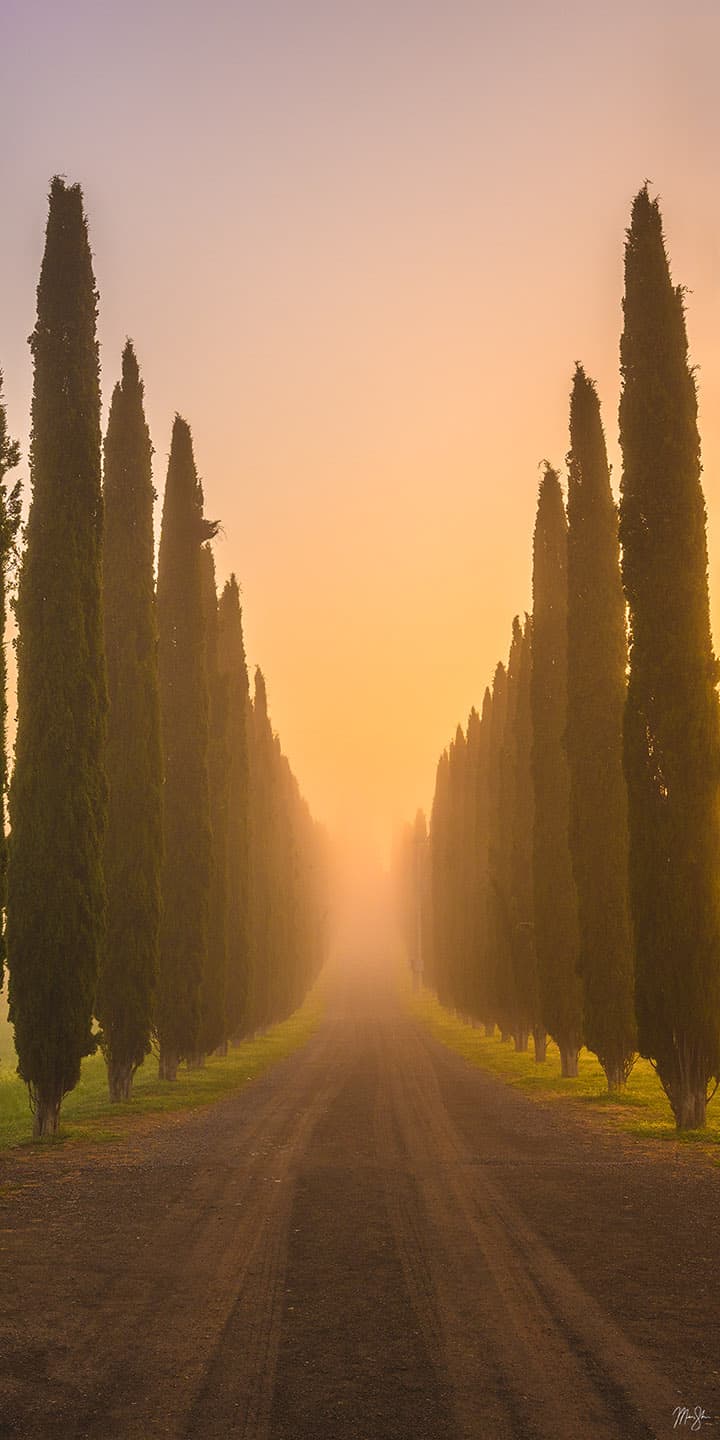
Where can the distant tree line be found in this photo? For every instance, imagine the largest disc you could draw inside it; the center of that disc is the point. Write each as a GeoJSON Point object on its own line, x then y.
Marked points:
{"type": "Point", "coordinates": [164, 875]}
{"type": "Point", "coordinates": [569, 883]}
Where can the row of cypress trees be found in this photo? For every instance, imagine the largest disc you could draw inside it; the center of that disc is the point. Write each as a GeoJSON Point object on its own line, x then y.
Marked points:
{"type": "Point", "coordinates": [570, 881]}
{"type": "Point", "coordinates": [165, 877]}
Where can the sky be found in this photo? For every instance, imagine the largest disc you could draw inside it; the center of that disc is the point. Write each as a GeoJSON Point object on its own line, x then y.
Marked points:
{"type": "Point", "coordinates": [359, 245]}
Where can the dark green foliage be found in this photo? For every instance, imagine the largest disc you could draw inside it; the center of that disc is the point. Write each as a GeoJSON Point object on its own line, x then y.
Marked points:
{"type": "Point", "coordinates": [499, 917]}
{"type": "Point", "coordinates": [288, 879]}
{"type": "Point", "coordinates": [597, 683]}
{"type": "Point", "coordinates": [556, 923]}
{"type": "Point", "coordinates": [480, 988]}
{"type": "Point", "coordinates": [451, 872]}
{"type": "Point", "coordinates": [527, 991]}
{"type": "Point", "coordinates": [455, 917]}
{"type": "Point", "coordinates": [186, 875]}
{"type": "Point", "coordinates": [671, 735]}
{"type": "Point", "coordinates": [56, 894]}
{"type": "Point", "coordinates": [496, 918]}
{"type": "Point", "coordinates": [263, 860]}
{"type": "Point", "coordinates": [133, 842]}
{"type": "Point", "coordinates": [457, 950]}
{"type": "Point", "coordinates": [9, 527]}
{"type": "Point", "coordinates": [515, 992]}
{"type": "Point", "coordinates": [213, 1026]}
{"type": "Point", "coordinates": [475, 863]}
{"type": "Point", "coordinates": [233, 671]}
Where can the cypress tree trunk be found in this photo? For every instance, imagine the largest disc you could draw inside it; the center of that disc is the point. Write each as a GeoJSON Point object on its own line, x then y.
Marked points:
{"type": "Point", "coordinates": [120, 1078]}
{"type": "Point", "coordinates": [168, 1064]}
{"type": "Point", "coordinates": [133, 844]}
{"type": "Point", "coordinates": [569, 1061]}
{"type": "Point", "coordinates": [58, 791]}
{"type": "Point", "coordinates": [540, 1043]}
{"type": "Point", "coordinates": [672, 721]}
{"type": "Point", "coordinates": [556, 924]}
{"type": "Point", "coordinates": [184, 727]}
{"type": "Point", "coordinates": [597, 661]}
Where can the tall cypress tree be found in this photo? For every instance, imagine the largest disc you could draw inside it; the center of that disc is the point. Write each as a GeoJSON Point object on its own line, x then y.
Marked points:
{"type": "Point", "coordinates": [456, 935]}
{"type": "Point", "coordinates": [213, 1026]}
{"type": "Point", "coordinates": [480, 1007]}
{"type": "Point", "coordinates": [509, 1007]}
{"type": "Point", "coordinates": [556, 922]}
{"type": "Point", "coordinates": [264, 869]}
{"type": "Point", "coordinates": [597, 660]}
{"type": "Point", "coordinates": [133, 843]}
{"type": "Point", "coordinates": [473, 760]}
{"type": "Point", "coordinates": [233, 671]}
{"type": "Point", "coordinates": [672, 729]}
{"type": "Point", "coordinates": [56, 893]}
{"type": "Point", "coordinates": [9, 527]}
{"type": "Point", "coordinates": [438, 878]}
{"type": "Point", "coordinates": [525, 958]}
{"type": "Point", "coordinates": [186, 874]}
{"type": "Point", "coordinates": [494, 914]}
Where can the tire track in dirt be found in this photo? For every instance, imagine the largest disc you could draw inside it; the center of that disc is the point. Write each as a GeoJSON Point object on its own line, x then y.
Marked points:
{"type": "Point", "coordinates": [550, 1362]}
{"type": "Point", "coordinates": [365, 1244]}
{"type": "Point", "coordinates": [130, 1360]}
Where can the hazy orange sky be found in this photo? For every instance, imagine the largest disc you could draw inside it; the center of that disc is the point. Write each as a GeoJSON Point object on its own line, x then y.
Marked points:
{"type": "Point", "coordinates": [360, 245]}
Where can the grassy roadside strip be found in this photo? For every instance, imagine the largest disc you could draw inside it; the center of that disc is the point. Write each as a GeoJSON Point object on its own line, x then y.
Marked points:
{"type": "Point", "coordinates": [642, 1110]}
{"type": "Point", "coordinates": [87, 1114]}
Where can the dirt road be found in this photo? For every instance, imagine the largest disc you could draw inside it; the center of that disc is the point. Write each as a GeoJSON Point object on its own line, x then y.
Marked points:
{"type": "Point", "coordinates": [373, 1241]}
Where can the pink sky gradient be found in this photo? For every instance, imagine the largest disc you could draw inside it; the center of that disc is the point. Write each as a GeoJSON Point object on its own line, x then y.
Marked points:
{"type": "Point", "coordinates": [360, 247]}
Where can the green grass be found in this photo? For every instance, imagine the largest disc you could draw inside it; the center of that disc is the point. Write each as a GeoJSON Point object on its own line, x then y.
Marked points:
{"type": "Point", "coordinates": [642, 1109]}
{"type": "Point", "coordinates": [87, 1114]}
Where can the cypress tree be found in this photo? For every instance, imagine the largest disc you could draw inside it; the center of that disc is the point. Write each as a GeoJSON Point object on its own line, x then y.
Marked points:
{"type": "Point", "coordinates": [56, 893]}
{"type": "Point", "coordinates": [133, 843]}
{"type": "Point", "coordinates": [556, 923]}
{"type": "Point", "coordinates": [671, 731]}
{"type": "Point", "coordinates": [597, 660]}
{"type": "Point", "coordinates": [213, 1027]}
{"type": "Point", "coordinates": [509, 1009]}
{"type": "Point", "coordinates": [455, 918]}
{"type": "Point", "coordinates": [288, 899]}
{"type": "Point", "coordinates": [494, 914]}
{"type": "Point", "coordinates": [233, 671]}
{"type": "Point", "coordinates": [9, 527]}
{"type": "Point", "coordinates": [439, 877]}
{"type": "Point", "coordinates": [525, 958]}
{"type": "Point", "coordinates": [473, 760]}
{"type": "Point", "coordinates": [186, 873]}
{"type": "Point", "coordinates": [480, 999]}
{"type": "Point", "coordinates": [264, 867]}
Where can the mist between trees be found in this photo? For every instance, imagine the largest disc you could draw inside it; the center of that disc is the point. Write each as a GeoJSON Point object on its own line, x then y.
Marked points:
{"type": "Point", "coordinates": [164, 882]}
{"type": "Point", "coordinates": [569, 880]}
